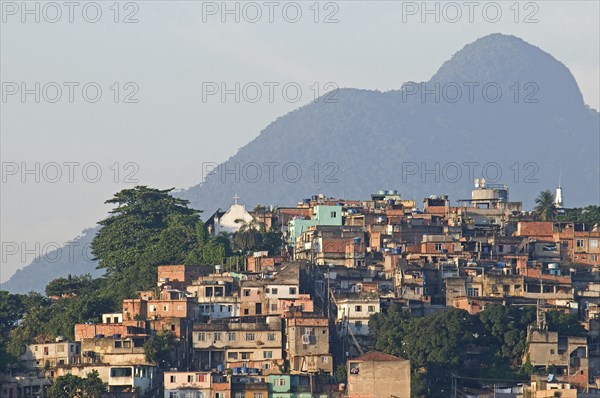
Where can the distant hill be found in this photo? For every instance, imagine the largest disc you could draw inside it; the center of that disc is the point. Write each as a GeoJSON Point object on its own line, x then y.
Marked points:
{"type": "Point", "coordinates": [539, 121]}
{"type": "Point", "coordinates": [74, 258]}
{"type": "Point", "coordinates": [535, 129]}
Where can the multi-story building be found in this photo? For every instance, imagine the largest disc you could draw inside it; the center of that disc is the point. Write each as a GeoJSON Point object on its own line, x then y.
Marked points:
{"type": "Point", "coordinates": [187, 384]}
{"type": "Point", "coordinates": [308, 344]}
{"type": "Point", "coordinates": [51, 354]}
{"type": "Point", "coordinates": [353, 312]}
{"type": "Point", "coordinates": [253, 343]}
{"type": "Point", "coordinates": [378, 375]}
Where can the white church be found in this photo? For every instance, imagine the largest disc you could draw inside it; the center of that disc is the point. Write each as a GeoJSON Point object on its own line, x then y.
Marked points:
{"type": "Point", "coordinates": [226, 222]}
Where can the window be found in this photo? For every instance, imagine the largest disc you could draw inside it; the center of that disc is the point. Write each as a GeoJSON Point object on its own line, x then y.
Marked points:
{"type": "Point", "coordinates": [190, 394]}
{"type": "Point", "coordinates": [208, 292]}
{"type": "Point", "coordinates": [201, 378]}
{"type": "Point", "coordinates": [217, 336]}
{"type": "Point", "coordinates": [179, 307]}
{"type": "Point", "coordinates": [325, 359]}
{"type": "Point", "coordinates": [258, 395]}
{"type": "Point", "coordinates": [232, 355]}
{"type": "Point", "coordinates": [279, 382]}
{"type": "Point", "coordinates": [438, 247]}
{"type": "Point", "coordinates": [371, 308]}
{"type": "Point", "coordinates": [165, 308]}
{"type": "Point", "coordinates": [273, 307]}
{"type": "Point", "coordinates": [246, 311]}
{"type": "Point", "coordinates": [152, 308]}
{"type": "Point", "coordinates": [118, 343]}
{"type": "Point", "coordinates": [551, 352]}
{"type": "Point", "coordinates": [201, 336]}
{"type": "Point", "coordinates": [292, 290]}
{"type": "Point", "coordinates": [579, 243]}
{"type": "Point", "coordinates": [308, 331]}
{"type": "Point", "coordinates": [173, 379]}
{"type": "Point", "coordinates": [245, 355]}
{"type": "Point", "coordinates": [190, 379]}
{"type": "Point", "coordinates": [172, 328]}
{"type": "Point", "coordinates": [231, 336]}
{"type": "Point", "coordinates": [271, 337]}
{"type": "Point", "coordinates": [593, 243]}
{"type": "Point", "coordinates": [358, 308]}
{"type": "Point", "coordinates": [472, 291]}
{"type": "Point", "coordinates": [250, 336]}
{"type": "Point", "coordinates": [594, 257]}
{"type": "Point", "coordinates": [127, 344]}
{"type": "Point", "coordinates": [222, 308]}
{"type": "Point", "coordinates": [60, 348]}
{"type": "Point", "coordinates": [121, 372]}
{"type": "Point", "coordinates": [219, 395]}
{"type": "Point", "coordinates": [267, 354]}
{"type": "Point", "coordinates": [247, 292]}
{"type": "Point", "coordinates": [229, 308]}
{"type": "Point", "coordinates": [239, 395]}
{"type": "Point", "coordinates": [274, 290]}
{"type": "Point", "coordinates": [173, 394]}
{"type": "Point", "coordinates": [333, 214]}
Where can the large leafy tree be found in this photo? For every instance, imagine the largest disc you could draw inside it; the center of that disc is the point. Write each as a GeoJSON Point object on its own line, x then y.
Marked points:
{"type": "Point", "coordinates": [11, 311]}
{"type": "Point", "coordinates": [453, 342]}
{"type": "Point", "coordinates": [564, 324]}
{"type": "Point", "coordinates": [147, 227]}
{"type": "Point", "coordinates": [506, 328]}
{"type": "Point", "coordinates": [589, 214]}
{"type": "Point", "coordinates": [545, 208]}
{"type": "Point", "coordinates": [71, 285]}
{"type": "Point", "coordinates": [159, 349]}
{"type": "Point", "coordinates": [71, 386]}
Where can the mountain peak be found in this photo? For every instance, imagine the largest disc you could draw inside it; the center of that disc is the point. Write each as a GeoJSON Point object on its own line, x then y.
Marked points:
{"type": "Point", "coordinates": [509, 60]}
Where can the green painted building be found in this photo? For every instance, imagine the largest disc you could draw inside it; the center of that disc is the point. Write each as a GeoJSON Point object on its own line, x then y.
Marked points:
{"type": "Point", "coordinates": [322, 215]}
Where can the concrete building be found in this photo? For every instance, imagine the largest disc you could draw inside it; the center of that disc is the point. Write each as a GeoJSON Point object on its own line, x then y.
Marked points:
{"type": "Point", "coordinates": [308, 344]}
{"type": "Point", "coordinates": [187, 384]}
{"type": "Point", "coordinates": [47, 355]}
{"type": "Point", "coordinates": [378, 375]}
{"type": "Point", "coordinates": [233, 343]}
{"type": "Point", "coordinates": [567, 354]}
{"type": "Point", "coordinates": [353, 312]}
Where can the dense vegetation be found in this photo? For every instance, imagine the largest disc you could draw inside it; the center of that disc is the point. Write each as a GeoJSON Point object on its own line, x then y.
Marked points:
{"type": "Point", "coordinates": [70, 386]}
{"type": "Point", "coordinates": [487, 346]}
{"type": "Point", "coordinates": [148, 227]}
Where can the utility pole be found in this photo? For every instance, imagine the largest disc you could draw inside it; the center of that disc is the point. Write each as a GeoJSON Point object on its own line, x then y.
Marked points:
{"type": "Point", "coordinates": [454, 382]}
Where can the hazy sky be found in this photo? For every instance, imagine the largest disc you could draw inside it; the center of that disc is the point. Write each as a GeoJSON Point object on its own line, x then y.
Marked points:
{"type": "Point", "coordinates": [151, 123]}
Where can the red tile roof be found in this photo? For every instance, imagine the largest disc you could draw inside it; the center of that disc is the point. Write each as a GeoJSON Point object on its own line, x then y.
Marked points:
{"type": "Point", "coordinates": [377, 357]}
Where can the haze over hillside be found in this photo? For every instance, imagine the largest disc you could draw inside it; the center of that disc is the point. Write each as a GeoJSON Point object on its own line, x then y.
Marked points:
{"type": "Point", "coordinates": [519, 119]}
{"type": "Point", "coordinates": [535, 129]}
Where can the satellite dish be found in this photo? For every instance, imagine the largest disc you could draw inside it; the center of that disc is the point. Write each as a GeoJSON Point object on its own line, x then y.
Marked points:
{"type": "Point", "coordinates": [476, 183]}
{"type": "Point", "coordinates": [482, 182]}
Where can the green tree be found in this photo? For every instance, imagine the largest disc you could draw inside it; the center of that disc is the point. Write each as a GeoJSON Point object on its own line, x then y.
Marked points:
{"type": "Point", "coordinates": [11, 310]}
{"type": "Point", "coordinates": [71, 386]}
{"type": "Point", "coordinates": [545, 208]}
{"type": "Point", "coordinates": [564, 324]}
{"type": "Point", "coordinates": [388, 330]}
{"type": "Point", "coordinates": [589, 214]}
{"type": "Point", "coordinates": [68, 286]}
{"type": "Point", "coordinates": [341, 373]}
{"type": "Point", "coordinates": [248, 238]}
{"type": "Point", "coordinates": [143, 230]}
{"type": "Point", "coordinates": [159, 348]}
